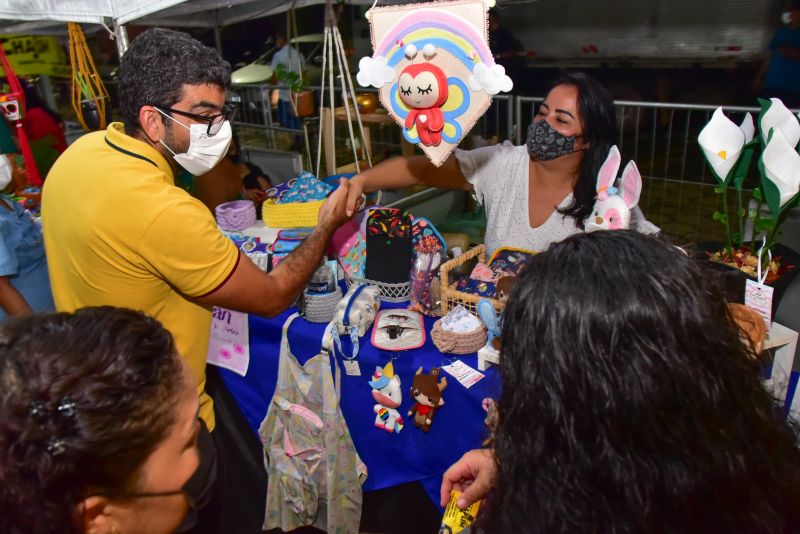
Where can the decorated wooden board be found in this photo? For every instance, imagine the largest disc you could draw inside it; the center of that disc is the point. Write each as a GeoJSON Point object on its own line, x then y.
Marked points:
{"type": "Point", "coordinates": [436, 74]}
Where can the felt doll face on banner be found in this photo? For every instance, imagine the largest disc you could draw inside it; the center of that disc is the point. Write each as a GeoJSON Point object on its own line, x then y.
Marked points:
{"type": "Point", "coordinates": [434, 69]}
{"type": "Point", "coordinates": [423, 86]}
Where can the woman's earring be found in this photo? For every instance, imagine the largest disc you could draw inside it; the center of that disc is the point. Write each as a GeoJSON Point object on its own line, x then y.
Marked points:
{"type": "Point", "coordinates": [114, 530]}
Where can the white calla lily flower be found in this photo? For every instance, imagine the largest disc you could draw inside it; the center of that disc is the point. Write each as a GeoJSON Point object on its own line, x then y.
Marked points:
{"type": "Point", "coordinates": [782, 166]}
{"type": "Point", "coordinates": [779, 117]}
{"type": "Point", "coordinates": [748, 127]}
{"type": "Point", "coordinates": [722, 142]}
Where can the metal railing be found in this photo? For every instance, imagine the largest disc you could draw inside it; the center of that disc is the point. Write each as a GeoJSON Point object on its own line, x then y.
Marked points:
{"type": "Point", "coordinates": [678, 191]}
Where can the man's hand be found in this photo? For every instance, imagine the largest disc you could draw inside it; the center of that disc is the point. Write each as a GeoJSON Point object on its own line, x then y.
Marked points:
{"type": "Point", "coordinates": [473, 475]}
{"type": "Point", "coordinates": [333, 214]}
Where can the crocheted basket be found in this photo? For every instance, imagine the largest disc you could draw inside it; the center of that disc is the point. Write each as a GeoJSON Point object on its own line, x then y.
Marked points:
{"type": "Point", "coordinates": [454, 343]}
{"type": "Point", "coordinates": [291, 214]}
{"type": "Point", "coordinates": [236, 215]}
{"type": "Point", "coordinates": [321, 308]}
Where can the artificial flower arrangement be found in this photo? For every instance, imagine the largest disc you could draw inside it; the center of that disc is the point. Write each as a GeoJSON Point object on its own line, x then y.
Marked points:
{"type": "Point", "coordinates": [729, 151]}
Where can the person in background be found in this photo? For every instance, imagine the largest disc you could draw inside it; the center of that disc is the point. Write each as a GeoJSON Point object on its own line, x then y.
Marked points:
{"type": "Point", "coordinates": [219, 185]}
{"type": "Point", "coordinates": [233, 178]}
{"type": "Point", "coordinates": [44, 128]}
{"type": "Point", "coordinates": [99, 432]}
{"type": "Point", "coordinates": [504, 45]}
{"type": "Point", "coordinates": [119, 232]}
{"type": "Point", "coordinates": [294, 61]}
{"type": "Point", "coordinates": [779, 75]}
{"type": "Point", "coordinates": [629, 403]}
{"type": "Point", "coordinates": [255, 182]}
{"type": "Point", "coordinates": [24, 282]}
{"type": "Point", "coordinates": [536, 194]}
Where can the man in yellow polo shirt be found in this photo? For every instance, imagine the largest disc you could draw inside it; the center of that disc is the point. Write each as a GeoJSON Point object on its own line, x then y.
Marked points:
{"type": "Point", "coordinates": [118, 231]}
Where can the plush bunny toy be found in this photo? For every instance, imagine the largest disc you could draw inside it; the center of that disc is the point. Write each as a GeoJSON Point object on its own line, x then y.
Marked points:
{"type": "Point", "coordinates": [612, 211]}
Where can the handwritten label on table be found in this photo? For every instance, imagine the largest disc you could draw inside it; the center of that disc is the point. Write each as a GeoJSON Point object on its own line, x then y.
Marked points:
{"type": "Point", "coordinates": [229, 345]}
{"type": "Point", "coordinates": [466, 375]}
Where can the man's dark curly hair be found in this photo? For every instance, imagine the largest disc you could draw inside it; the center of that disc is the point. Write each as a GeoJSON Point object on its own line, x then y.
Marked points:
{"type": "Point", "coordinates": [157, 65]}
{"type": "Point", "coordinates": [630, 404]}
{"type": "Point", "coordinates": [123, 374]}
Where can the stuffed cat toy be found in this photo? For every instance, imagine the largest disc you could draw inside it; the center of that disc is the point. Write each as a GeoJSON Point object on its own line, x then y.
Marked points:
{"type": "Point", "coordinates": [612, 211]}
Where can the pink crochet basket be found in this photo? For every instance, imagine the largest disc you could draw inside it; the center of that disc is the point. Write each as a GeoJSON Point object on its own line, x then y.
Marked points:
{"type": "Point", "coordinates": [236, 215]}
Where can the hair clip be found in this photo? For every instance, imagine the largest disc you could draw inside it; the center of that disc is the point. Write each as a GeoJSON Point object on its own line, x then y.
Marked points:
{"type": "Point", "coordinates": [66, 407]}
{"type": "Point", "coordinates": [55, 446]}
{"type": "Point", "coordinates": [38, 412]}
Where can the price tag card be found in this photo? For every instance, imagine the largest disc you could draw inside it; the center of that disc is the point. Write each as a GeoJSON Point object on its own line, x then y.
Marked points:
{"type": "Point", "coordinates": [351, 368]}
{"type": "Point", "coordinates": [229, 344]}
{"type": "Point", "coordinates": [759, 298]}
{"type": "Point", "coordinates": [466, 375]}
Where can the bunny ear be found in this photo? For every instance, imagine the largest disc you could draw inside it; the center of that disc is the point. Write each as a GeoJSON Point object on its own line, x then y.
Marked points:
{"type": "Point", "coordinates": [631, 184]}
{"type": "Point", "coordinates": [608, 172]}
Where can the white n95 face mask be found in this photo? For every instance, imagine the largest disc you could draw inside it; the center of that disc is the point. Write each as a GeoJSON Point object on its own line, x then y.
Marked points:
{"type": "Point", "coordinates": [5, 172]}
{"type": "Point", "coordinates": [204, 151]}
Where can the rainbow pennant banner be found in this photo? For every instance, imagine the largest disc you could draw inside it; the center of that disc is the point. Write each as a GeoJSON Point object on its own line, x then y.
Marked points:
{"type": "Point", "coordinates": [436, 74]}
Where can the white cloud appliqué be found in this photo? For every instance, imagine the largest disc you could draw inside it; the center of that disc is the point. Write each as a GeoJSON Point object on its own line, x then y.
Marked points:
{"type": "Point", "coordinates": [492, 79]}
{"type": "Point", "coordinates": [374, 71]}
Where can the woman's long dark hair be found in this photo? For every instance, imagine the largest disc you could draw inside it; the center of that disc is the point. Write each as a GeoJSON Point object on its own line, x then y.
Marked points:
{"type": "Point", "coordinates": [119, 371]}
{"type": "Point", "coordinates": [630, 404]}
{"type": "Point", "coordinates": [599, 129]}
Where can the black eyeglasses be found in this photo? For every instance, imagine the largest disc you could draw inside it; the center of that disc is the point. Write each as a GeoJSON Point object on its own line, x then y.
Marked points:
{"type": "Point", "coordinates": [214, 122]}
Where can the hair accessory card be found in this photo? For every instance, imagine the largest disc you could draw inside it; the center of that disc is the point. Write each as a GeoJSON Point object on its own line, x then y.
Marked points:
{"type": "Point", "coordinates": [397, 330]}
{"type": "Point", "coordinates": [350, 247]}
{"type": "Point", "coordinates": [612, 211]}
{"type": "Point", "coordinates": [435, 71]}
{"type": "Point", "coordinates": [388, 245]}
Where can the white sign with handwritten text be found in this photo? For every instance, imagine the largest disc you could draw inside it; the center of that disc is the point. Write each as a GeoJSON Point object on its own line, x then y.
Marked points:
{"type": "Point", "coordinates": [229, 345]}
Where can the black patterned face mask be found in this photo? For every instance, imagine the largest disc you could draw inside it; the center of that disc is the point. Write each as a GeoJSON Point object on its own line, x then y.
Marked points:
{"type": "Point", "coordinates": [545, 143]}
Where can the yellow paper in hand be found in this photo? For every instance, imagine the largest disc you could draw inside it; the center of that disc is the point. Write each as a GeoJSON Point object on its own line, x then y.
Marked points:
{"type": "Point", "coordinates": [455, 519]}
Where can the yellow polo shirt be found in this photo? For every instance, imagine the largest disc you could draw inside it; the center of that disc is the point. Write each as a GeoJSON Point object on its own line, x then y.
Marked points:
{"type": "Point", "coordinates": [117, 231]}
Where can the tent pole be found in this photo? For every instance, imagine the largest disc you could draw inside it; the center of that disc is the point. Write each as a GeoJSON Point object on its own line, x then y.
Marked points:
{"type": "Point", "coordinates": [122, 38]}
{"type": "Point", "coordinates": [217, 31]}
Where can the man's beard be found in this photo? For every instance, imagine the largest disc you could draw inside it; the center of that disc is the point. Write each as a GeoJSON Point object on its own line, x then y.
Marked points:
{"type": "Point", "coordinates": [171, 140]}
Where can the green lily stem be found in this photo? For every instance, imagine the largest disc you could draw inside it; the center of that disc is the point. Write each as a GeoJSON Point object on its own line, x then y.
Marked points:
{"type": "Point", "coordinates": [728, 243]}
{"type": "Point", "coordinates": [756, 220]}
{"type": "Point", "coordinates": [740, 213]}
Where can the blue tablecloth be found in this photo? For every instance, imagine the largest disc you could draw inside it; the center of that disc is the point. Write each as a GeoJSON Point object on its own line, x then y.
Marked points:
{"type": "Point", "coordinates": [391, 459]}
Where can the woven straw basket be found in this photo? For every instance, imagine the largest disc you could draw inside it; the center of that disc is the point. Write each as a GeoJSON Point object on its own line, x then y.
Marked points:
{"type": "Point", "coordinates": [452, 297]}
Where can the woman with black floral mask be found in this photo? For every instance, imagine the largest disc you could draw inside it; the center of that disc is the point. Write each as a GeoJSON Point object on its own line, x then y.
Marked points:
{"type": "Point", "coordinates": [537, 194]}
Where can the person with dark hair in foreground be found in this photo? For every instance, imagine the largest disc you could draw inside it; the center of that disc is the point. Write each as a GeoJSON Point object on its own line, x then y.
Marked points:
{"type": "Point", "coordinates": [629, 404]}
{"type": "Point", "coordinates": [535, 194]}
{"type": "Point", "coordinates": [99, 430]}
{"type": "Point", "coordinates": [119, 231]}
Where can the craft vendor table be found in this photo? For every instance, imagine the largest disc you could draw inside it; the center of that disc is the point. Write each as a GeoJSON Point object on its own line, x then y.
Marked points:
{"type": "Point", "coordinates": [391, 459]}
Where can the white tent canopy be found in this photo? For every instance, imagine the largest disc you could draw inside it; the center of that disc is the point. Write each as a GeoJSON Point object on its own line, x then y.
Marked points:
{"type": "Point", "coordinates": [36, 16]}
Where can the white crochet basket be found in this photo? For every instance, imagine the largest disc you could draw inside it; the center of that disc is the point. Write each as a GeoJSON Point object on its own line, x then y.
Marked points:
{"type": "Point", "coordinates": [321, 308]}
{"type": "Point", "coordinates": [389, 292]}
